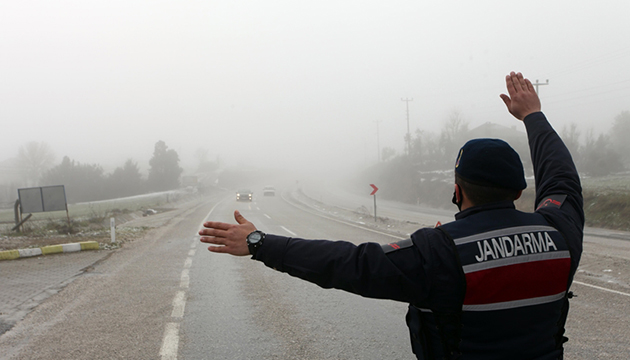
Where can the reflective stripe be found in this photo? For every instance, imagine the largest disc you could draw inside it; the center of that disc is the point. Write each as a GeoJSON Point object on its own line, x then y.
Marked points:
{"type": "Point", "coordinates": [503, 232]}
{"type": "Point", "coordinates": [516, 260]}
{"type": "Point", "coordinates": [514, 304]}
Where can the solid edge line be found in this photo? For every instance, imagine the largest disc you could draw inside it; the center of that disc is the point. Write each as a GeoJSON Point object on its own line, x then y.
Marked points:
{"type": "Point", "coordinates": [289, 231]}
{"type": "Point", "coordinates": [322, 215]}
{"type": "Point", "coordinates": [601, 288]}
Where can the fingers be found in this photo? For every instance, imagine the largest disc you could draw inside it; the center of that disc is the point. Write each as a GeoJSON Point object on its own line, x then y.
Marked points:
{"type": "Point", "coordinates": [520, 82]}
{"type": "Point", "coordinates": [239, 218]}
{"type": "Point", "coordinates": [218, 249]}
{"type": "Point", "coordinates": [511, 84]}
{"type": "Point", "coordinates": [529, 85]}
{"type": "Point", "coordinates": [506, 99]}
{"type": "Point", "coordinates": [515, 83]}
{"type": "Point", "coordinates": [217, 225]}
{"type": "Point", "coordinates": [213, 240]}
{"type": "Point", "coordinates": [214, 232]}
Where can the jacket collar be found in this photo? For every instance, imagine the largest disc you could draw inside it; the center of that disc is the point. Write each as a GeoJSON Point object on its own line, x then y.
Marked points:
{"type": "Point", "coordinates": [485, 207]}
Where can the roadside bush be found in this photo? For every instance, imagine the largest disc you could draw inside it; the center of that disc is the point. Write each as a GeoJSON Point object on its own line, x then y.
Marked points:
{"type": "Point", "coordinates": [609, 210]}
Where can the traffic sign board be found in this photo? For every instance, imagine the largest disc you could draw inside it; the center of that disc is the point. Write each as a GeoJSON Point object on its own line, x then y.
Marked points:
{"type": "Point", "coordinates": [375, 189]}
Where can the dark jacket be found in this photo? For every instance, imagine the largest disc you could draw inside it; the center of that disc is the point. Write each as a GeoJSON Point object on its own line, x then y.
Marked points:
{"type": "Point", "coordinates": [475, 292]}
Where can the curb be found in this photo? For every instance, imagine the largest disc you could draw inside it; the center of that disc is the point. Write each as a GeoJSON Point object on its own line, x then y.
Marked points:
{"type": "Point", "coordinates": [47, 250]}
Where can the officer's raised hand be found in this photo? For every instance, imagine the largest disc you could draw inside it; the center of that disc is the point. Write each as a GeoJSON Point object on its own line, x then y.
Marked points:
{"type": "Point", "coordinates": [231, 238]}
{"type": "Point", "coordinates": [523, 99]}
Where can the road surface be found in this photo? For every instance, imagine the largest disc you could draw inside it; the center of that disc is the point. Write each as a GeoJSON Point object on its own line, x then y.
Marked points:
{"type": "Point", "coordinates": [167, 297]}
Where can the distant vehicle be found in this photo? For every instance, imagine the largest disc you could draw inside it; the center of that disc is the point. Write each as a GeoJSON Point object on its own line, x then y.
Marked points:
{"type": "Point", "coordinates": [269, 191]}
{"type": "Point", "coordinates": [148, 212]}
{"type": "Point", "coordinates": [244, 195]}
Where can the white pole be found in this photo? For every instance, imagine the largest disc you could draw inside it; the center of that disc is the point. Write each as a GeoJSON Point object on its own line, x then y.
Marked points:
{"type": "Point", "coordinates": [112, 225]}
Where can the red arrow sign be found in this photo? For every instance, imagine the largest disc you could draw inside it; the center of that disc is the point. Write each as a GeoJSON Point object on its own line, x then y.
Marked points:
{"type": "Point", "coordinates": [375, 189]}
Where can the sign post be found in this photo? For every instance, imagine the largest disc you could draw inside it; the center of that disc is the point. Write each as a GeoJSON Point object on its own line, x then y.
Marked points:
{"type": "Point", "coordinates": [374, 194]}
{"type": "Point", "coordinates": [40, 199]}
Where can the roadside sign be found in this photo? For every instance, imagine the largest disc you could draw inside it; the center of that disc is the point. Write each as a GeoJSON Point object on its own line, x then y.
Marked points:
{"type": "Point", "coordinates": [375, 189]}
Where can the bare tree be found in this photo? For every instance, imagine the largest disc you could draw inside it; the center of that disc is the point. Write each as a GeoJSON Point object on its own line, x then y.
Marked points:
{"type": "Point", "coordinates": [452, 135]}
{"type": "Point", "coordinates": [571, 137]}
{"type": "Point", "coordinates": [455, 126]}
{"type": "Point", "coordinates": [619, 134]}
{"type": "Point", "coordinates": [35, 158]}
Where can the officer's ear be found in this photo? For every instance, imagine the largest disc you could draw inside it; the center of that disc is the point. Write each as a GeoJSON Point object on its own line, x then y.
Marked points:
{"type": "Point", "coordinates": [458, 194]}
{"type": "Point", "coordinates": [518, 196]}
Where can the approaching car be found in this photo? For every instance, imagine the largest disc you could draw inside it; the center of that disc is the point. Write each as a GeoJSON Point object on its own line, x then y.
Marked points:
{"type": "Point", "coordinates": [269, 191]}
{"type": "Point", "coordinates": [244, 195]}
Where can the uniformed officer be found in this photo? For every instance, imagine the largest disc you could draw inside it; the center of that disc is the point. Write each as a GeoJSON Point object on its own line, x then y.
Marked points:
{"type": "Point", "coordinates": [494, 283]}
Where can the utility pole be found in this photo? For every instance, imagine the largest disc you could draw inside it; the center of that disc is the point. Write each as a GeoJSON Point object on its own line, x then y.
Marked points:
{"type": "Point", "coordinates": [378, 142]}
{"type": "Point", "coordinates": [537, 84]}
{"type": "Point", "coordinates": [408, 134]}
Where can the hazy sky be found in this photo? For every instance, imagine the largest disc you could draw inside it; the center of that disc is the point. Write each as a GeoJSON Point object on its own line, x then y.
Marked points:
{"type": "Point", "coordinates": [297, 82]}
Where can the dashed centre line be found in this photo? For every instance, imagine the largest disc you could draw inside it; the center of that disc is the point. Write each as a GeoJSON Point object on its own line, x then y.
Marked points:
{"type": "Point", "coordinates": [170, 342]}
{"type": "Point", "coordinates": [184, 282]}
{"type": "Point", "coordinates": [179, 304]}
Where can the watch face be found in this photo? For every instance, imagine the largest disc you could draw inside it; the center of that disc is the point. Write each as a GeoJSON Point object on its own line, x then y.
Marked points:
{"type": "Point", "coordinates": [254, 237]}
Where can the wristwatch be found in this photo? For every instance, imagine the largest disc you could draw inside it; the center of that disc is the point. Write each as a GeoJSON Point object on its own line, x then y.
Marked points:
{"type": "Point", "coordinates": [255, 240]}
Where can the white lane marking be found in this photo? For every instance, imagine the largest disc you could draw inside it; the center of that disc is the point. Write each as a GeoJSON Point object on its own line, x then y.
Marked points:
{"type": "Point", "coordinates": [317, 213]}
{"type": "Point", "coordinates": [289, 231]}
{"type": "Point", "coordinates": [601, 288]}
{"type": "Point", "coordinates": [185, 279]}
{"type": "Point", "coordinates": [170, 342]}
{"type": "Point", "coordinates": [207, 216]}
{"type": "Point", "coordinates": [179, 304]}
{"type": "Point", "coordinates": [267, 216]}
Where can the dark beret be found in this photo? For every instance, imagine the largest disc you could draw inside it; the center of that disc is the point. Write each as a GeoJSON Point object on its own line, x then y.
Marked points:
{"type": "Point", "coordinates": [490, 162]}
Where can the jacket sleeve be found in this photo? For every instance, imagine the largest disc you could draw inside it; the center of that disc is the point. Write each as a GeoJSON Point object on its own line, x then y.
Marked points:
{"type": "Point", "coordinates": [558, 189]}
{"type": "Point", "coordinates": [363, 269]}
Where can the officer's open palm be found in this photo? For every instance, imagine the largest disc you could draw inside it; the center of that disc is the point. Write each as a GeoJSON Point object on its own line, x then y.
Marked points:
{"type": "Point", "coordinates": [228, 238]}
{"type": "Point", "coordinates": [523, 99]}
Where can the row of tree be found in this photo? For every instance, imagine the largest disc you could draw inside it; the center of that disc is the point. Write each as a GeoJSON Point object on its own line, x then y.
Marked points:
{"type": "Point", "coordinates": [594, 155]}
{"type": "Point", "coordinates": [424, 172]}
{"type": "Point", "coordinates": [603, 154]}
{"type": "Point", "coordinates": [88, 182]}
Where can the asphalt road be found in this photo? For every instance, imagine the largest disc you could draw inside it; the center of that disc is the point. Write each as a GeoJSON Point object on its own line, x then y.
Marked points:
{"type": "Point", "coordinates": [239, 309]}
{"type": "Point", "coordinates": [167, 297]}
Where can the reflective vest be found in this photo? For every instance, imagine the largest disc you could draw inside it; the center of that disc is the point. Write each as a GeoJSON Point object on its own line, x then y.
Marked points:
{"type": "Point", "coordinates": [516, 269]}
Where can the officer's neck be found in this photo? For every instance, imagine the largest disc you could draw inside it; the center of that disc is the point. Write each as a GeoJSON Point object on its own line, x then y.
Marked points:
{"type": "Point", "coordinates": [466, 203]}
